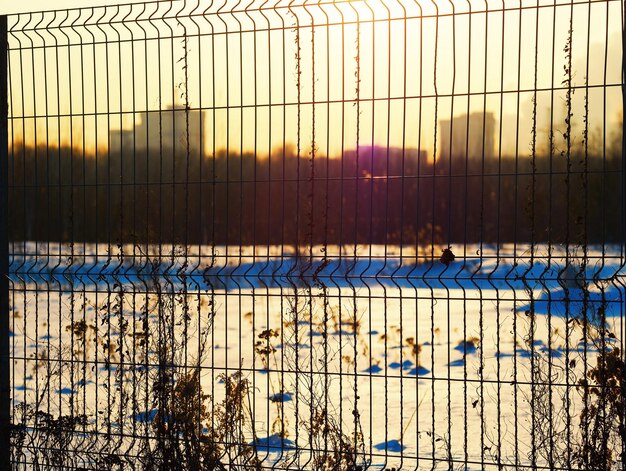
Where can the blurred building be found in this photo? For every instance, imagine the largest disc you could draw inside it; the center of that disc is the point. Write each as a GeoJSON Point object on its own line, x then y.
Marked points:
{"type": "Point", "coordinates": [468, 137]}
{"type": "Point", "coordinates": [166, 129]}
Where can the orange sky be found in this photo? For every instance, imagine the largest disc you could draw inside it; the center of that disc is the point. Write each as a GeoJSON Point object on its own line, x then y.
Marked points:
{"type": "Point", "coordinates": [245, 79]}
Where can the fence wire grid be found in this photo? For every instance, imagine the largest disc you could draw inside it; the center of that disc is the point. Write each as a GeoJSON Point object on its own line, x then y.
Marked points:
{"type": "Point", "coordinates": [380, 234]}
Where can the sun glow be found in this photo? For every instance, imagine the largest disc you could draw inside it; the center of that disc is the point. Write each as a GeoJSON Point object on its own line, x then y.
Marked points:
{"type": "Point", "coordinates": [325, 78]}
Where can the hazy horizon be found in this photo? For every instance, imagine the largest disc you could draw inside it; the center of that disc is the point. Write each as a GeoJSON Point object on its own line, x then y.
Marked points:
{"type": "Point", "coordinates": [265, 77]}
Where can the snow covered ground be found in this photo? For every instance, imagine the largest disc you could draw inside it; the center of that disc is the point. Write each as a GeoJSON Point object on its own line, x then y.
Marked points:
{"type": "Point", "coordinates": [436, 359]}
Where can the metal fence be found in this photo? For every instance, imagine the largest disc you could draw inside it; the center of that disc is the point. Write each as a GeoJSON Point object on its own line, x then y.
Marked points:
{"type": "Point", "coordinates": [378, 234]}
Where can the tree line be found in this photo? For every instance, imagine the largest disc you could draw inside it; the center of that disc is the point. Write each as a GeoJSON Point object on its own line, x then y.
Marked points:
{"type": "Point", "coordinates": [369, 195]}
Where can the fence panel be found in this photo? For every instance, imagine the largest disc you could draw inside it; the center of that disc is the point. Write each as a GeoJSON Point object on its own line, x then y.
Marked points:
{"type": "Point", "coordinates": [315, 235]}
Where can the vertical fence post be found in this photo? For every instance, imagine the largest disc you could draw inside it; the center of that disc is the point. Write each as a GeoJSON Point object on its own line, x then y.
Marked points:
{"type": "Point", "coordinates": [5, 378]}
{"type": "Point", "coordinates": [623, 218]}
{"type": "Point", "coordinates": [623, 209]}
{"type": "Point", "coordinates": [623, 131]}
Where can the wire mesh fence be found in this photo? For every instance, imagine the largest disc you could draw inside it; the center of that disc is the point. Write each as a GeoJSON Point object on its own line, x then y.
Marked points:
{"type": "Point", "coordinates": [378, 234]}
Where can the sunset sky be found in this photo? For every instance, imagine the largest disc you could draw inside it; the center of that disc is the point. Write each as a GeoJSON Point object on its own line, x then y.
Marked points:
{"type": "Point", "coordinates": [245, 77]}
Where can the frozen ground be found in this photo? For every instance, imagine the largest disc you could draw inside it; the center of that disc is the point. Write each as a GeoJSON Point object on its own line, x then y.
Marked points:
{"type": "Point", "coordinates": [436, 359]}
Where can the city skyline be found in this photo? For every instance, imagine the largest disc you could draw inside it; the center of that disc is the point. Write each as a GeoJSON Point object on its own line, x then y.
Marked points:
{"type": "Point", "coordinates": [285, 85]}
